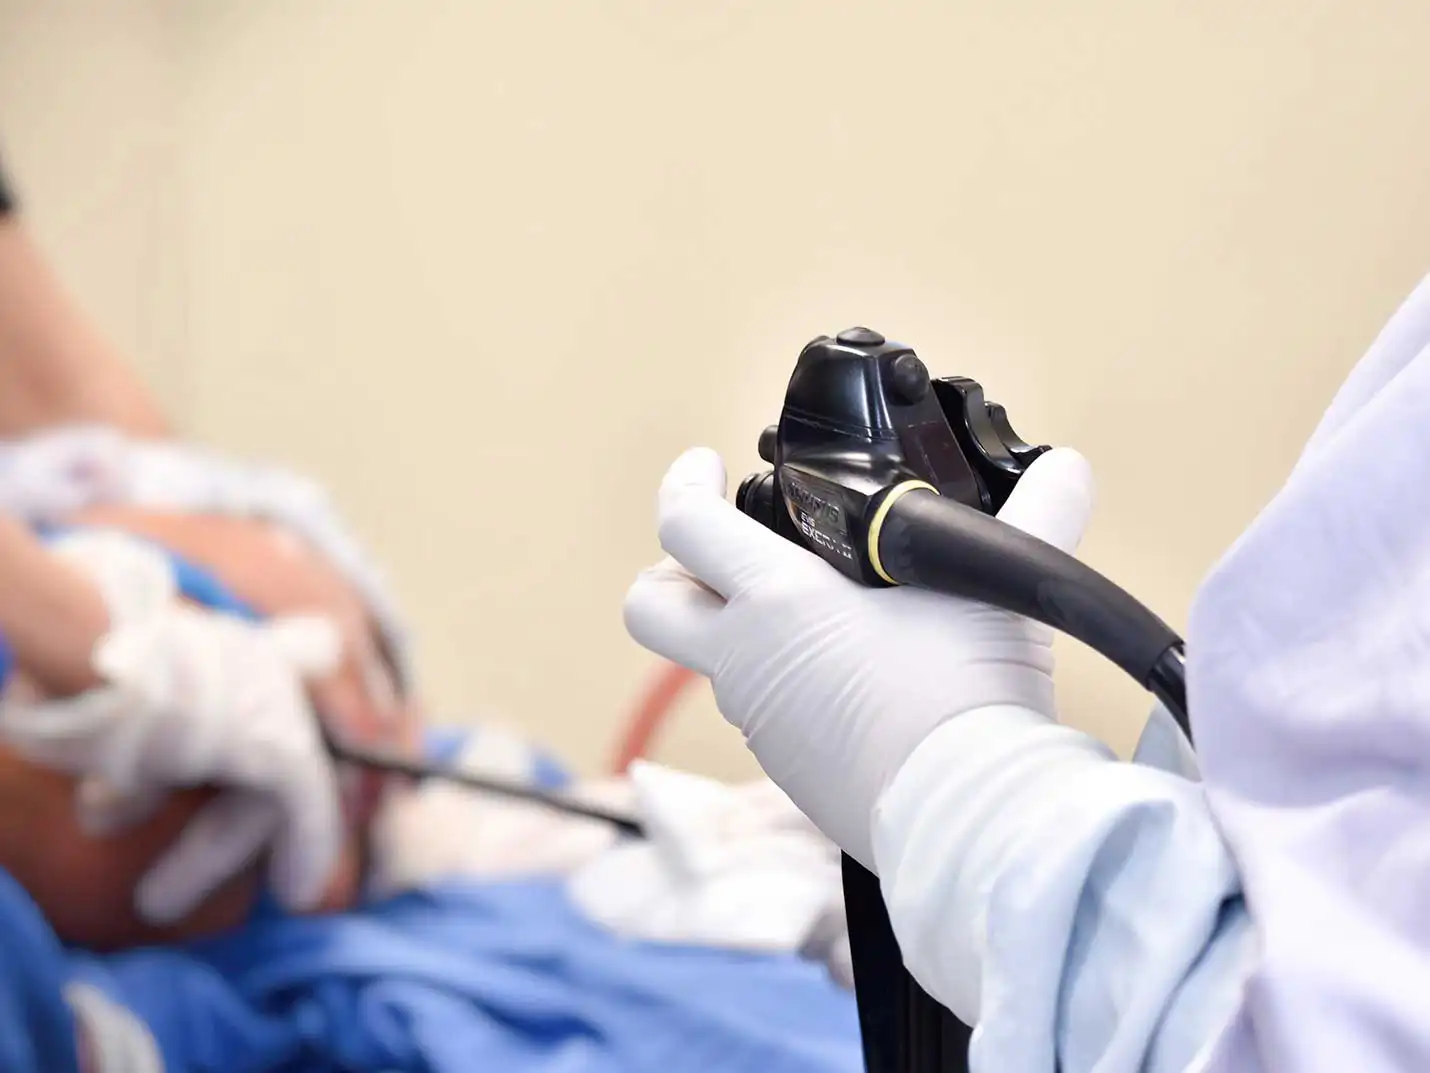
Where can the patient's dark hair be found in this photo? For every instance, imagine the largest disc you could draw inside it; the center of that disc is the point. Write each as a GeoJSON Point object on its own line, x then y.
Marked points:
{"type": "Point", "coordinates": [390, 662]}
{"type": "Point", "coordinates": [7, 199]}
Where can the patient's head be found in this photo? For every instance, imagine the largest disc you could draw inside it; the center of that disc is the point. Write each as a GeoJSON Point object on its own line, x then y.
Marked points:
{"type": "Point", "coordinates": [85, 885]}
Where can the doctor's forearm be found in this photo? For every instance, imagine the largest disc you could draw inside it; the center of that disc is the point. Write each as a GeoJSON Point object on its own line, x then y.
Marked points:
{"type": "Point", "coordinates": [55, 367]}
{"type": "Point", "coordinates": [1083, 911]}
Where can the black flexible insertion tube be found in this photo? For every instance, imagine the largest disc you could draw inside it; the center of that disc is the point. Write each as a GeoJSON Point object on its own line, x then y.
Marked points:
{"type": "Point", "coordinates": [1169, 685]}
{"type": "Point", "coordinates": [381, 760]}
{"type": "Point", "coordinates": [925, 540]}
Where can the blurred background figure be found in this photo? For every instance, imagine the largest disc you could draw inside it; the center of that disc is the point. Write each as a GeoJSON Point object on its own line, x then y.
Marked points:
{"type": "Point", "coordinates": [484, 269]}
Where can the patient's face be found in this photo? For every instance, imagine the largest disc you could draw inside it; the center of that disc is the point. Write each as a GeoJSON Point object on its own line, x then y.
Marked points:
{"type": "Point", "coordinates": [85, 885]}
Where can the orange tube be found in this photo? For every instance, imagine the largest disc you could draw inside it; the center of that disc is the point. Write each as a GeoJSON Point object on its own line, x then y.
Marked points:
{"type": "Point", "coordinates": [655, 707]}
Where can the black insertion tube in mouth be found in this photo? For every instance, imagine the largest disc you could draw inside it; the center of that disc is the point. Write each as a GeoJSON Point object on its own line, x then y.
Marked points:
{"type": "Point", "coordinates": [383, 760]}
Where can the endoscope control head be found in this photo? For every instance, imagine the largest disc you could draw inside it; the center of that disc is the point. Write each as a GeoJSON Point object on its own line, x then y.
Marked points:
{"type": "Point", "coordinates": [863, 419]}
{"type": "Point", "coordinates": [863, 416]}
{"type": "Point", "coordinates": [862, 425]}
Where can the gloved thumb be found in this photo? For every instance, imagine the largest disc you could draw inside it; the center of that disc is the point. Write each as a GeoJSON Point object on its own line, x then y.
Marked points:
{"type": "Point", "coordinates": [1053, 499]}
{"type": "Point", "coordinates": [312, 643]}
{"type": "Point", "coordinates": [123, 655]}
{"type": "Point", "coordinates": [705, 533]}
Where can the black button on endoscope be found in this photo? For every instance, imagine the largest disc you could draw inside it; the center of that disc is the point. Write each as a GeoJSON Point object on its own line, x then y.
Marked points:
{"type": "Point", "coordinates": [908, 378]}
{"type": "Point", "coordinates": [769, 444]}
{"type": "Point", "coordinates": [860, 337]}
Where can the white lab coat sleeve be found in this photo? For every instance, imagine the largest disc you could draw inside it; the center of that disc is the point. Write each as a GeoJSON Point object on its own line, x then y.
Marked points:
{"type": "Point", "coordinates": [1084, 913]}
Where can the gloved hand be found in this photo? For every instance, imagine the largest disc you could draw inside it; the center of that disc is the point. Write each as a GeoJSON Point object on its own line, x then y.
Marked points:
{"type": "Point", "coordinates": [193, 697]}
{"type": "Point", "coordinates": [834, 684]}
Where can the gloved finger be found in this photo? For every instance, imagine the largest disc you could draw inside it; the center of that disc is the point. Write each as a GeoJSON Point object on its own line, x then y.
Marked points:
{"type": "Point", "coordinates": [1053, 499]}
{"type": "Point", "coordinates": [134, 577]}
{"type": "Point", "coordinates": [708, 535]}
{"type": "Point", "coordinates": [310, 838]}
{"type": "Point", "coordinates": [103, 809]}
{"type": "Point", "coordinates": [74, 735]}
{"type": "Point", "coordinates": [117, 755]}
{"type": "Point", "coordinates": [312, 643]}
{"type": "Point", "coordinates": [130, 656]}
{"type": "Point", "coordinates": [62, 723]}
{"type": "Point", "coordinates": [670, 612]}
{"type": "Point", "coordinates": [226, 837]}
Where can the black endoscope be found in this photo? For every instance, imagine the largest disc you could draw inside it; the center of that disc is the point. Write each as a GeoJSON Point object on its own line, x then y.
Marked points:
{"type": "Point", "coordinates": [893, 478]}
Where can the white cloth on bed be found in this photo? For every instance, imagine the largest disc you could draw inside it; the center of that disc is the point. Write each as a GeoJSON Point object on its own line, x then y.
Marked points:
{"type": "Point", "coordinates": [729, 866]}
{"type": "Point", "coordinates": [735, 867]}
{"type": "Point", "coordinates": [112, 1039]}
{"type": "Point", "coordinates": [442, 830]}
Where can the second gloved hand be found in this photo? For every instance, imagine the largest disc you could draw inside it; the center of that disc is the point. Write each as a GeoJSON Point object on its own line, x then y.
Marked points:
{"type": "Point", "coordinates": [191, 698]}
{"type": "Point", "coordinates": [834, 684]}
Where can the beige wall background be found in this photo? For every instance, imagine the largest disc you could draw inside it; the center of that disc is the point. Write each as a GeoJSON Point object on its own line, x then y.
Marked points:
{"type": "Point", "coordinates": [486, 268]}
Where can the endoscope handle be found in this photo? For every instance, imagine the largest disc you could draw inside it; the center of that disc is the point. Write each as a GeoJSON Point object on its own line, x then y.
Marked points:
{"type": "Point", "coordinates": [931, 542]}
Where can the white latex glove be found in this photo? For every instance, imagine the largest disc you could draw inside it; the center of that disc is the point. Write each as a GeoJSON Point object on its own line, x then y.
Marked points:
{"type": "Point", "coordinates": [194, 697]}
{"type": "Point", "coordinates": [834, 684]}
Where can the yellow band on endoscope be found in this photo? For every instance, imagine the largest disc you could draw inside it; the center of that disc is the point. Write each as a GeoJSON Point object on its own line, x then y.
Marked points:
{"type": "Point", "coordinates": [876, 526]}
